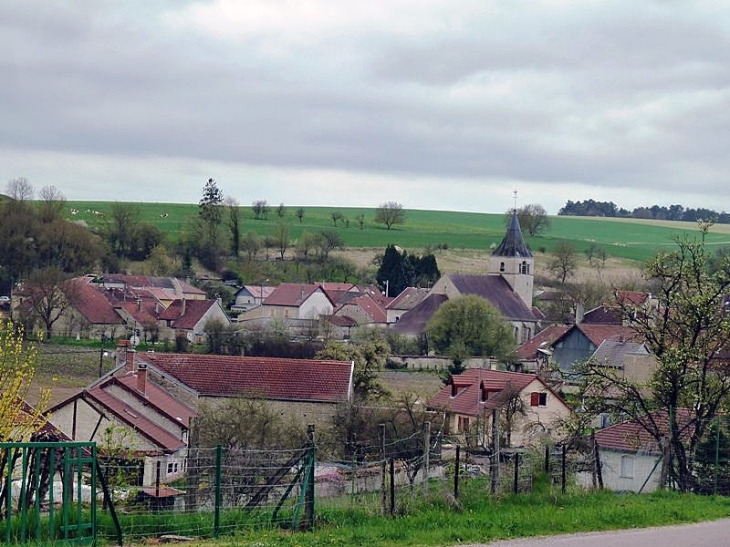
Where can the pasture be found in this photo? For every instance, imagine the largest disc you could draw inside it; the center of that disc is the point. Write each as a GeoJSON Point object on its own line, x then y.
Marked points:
{"type": "Point", "coordinates": [622, 238]}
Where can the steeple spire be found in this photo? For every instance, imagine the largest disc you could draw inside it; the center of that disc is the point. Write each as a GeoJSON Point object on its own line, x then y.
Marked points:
{"type": "Point", "coordinates": [513, 244]}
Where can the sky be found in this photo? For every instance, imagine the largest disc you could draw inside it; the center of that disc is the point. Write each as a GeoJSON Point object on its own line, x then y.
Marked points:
{"type": "Point", "coordinates": [435, 104]}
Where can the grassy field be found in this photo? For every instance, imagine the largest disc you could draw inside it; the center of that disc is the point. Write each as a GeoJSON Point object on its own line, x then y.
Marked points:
{"type": "Point", "coordinates": [622, 238]}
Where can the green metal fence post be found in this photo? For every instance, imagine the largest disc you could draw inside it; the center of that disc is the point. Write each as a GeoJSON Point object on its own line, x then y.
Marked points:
{"type": "Point", "coordinates": [218, 489]}
{"type": "Point", "coordinates": [8, 493]}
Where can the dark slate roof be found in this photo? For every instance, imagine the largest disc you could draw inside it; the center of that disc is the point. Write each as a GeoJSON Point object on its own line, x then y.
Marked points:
{"type": "Point", "coordinates": [495, 289]}
{"type": "Point", "coordinates": [613, 353]}
{"type": "Point", "coordinates": [513, 244]}
{"type": "Point", "coordinates": [408, 298]}
{"type": "Point", "coordinates": [414, 321]}
{"type": "Point", "coordinates": [271, 378]}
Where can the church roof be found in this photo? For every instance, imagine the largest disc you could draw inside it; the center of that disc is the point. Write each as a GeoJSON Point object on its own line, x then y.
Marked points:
{"type": "Point", "coordinates": [513, 244]}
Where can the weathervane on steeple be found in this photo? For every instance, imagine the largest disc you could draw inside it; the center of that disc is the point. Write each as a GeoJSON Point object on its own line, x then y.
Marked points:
{"type": "Point", "coordinates": [515, 196]}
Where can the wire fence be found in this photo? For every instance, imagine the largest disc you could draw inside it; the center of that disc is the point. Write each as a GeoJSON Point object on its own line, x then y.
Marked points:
{"type": "Point", "coordinates": [219, 491]}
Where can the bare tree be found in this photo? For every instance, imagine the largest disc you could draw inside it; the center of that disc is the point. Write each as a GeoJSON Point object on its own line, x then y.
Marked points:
{"type": "Point", "coordinates": [533, 218]}
{"type": "Point", "coordinates": [51, 294]}
{"type": "Point", "coordinates": [329, 240]}
{"type": "Point", "coordinates": [282, 239]}
{"type": "Point", "coordinates": [52, 202]}
{"type": "Point", "coordinates": [564, 261]}
{"type": "Point", "coordinates": [300, 214]}
{"type": "Point", "coordinates": [20, 189]}
{"type": "Point", "coordinates": [390, 213]}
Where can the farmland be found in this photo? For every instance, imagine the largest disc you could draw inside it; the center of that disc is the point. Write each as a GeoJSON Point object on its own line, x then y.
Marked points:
{"type": "Point", "coordinates": [630, 239]}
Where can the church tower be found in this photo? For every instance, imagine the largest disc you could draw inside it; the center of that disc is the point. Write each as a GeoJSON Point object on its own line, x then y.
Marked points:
{"type": "Point", "coordinates": [514, 261]}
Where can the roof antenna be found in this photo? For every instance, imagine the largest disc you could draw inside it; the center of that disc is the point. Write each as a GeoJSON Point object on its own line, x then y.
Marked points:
{"type": "Point", "coordinates": [515, 197]}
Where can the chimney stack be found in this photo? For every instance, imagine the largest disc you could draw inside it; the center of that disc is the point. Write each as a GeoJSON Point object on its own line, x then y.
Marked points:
{"type": "Point", "coordinates": [580, 312]}
{"type": "Point", "coordinates": [182, 307]}
{"type": "Point", "coordinates": [130, 359]}
{"type": "Point", "coordinates": [142, 378]}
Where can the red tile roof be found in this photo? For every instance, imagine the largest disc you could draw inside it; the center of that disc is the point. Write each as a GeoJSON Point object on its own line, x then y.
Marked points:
{"type": "Point", "coordinates": [158, 398]}
{"type": "Point", "coordinates": [369, 306]}
{"type": "Point", "coordinates": [93, 303]}
{"type": "Point", "coordinates": [470, 383]}
{"type": "Point", "coordinates": [194, 312]}
{"type": "Point", "coordinates": [605, 315]}
{"type": "Point", "coordinates": [543, 340]}
{"type": "Point", "coordinates": [132, 417]}
{"type": "Point", "coordinates": [291, 294]}
{"type": "Point", "coordinates": [271, 378]}
{"type": "Point", "coordinates": [632, 298]}
{"type": "Point", "coordinates": [597, 333]}
{"type": "Point", "coordinates": [631, 436]}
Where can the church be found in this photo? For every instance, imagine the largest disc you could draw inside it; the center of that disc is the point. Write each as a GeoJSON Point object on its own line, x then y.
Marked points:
{"type": "Point", "coordinates": [507, 285]}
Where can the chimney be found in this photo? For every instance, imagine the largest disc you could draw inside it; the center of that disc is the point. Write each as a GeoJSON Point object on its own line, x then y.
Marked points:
{"type": "Point", "coordinates": [139, 303]}
{"type": "Point", "coordinates": [142, 378]}
{"type": "Point", "coordinates": [580, 311]}
{"type": "Point", "coordinates": [182, 307]}
{"type": "Point", "coordinates": [130, 359]}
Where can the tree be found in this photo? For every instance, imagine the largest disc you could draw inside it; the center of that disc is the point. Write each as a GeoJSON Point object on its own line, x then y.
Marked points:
{"type": "Point", "coordinates": [390, 213]}
{"type": "Point", "coordinates": [300, 214]}
{"type": "Point", "coordinates": [307, 243]}
{"type": "Point", "coordinates": [251, 245]}
{"type": "Point", "coordinates": [18, 360]}
{"type": "Point", "coordinates": [51, 294]}
{"type": "Point", "coordinates": [688, 335]}
{"type": "Point", "coordinates": [472, 325]}
{"type": "Point", "coordinates": [337, 217]}
{"type": "Point", "coordinates": [399, 270]}
{"type": "Point", "coordinates": [20, 189]}
{"type": "Point", "coordinates": [533, 219]}
{"type": "Point", "coordinates": [281, 210]}
{"type": "Point", "coordinates": [360, 220]}
{"type": "Point", "coordinates": [369, 357]}
{"type": "Point", "coordinates": [234, 224]}
{"type": "Point", "coordinates": [564, 261]}
{"type": "Point", "coordinates": [260, 209]}
{"type": "Point", "coordinates": [282, 239]}
{"type": "Point", "coordinates": [209, 205]}
{"type": "Point", "coordinates": [120, 225]}
{"type": "Point", "coordinates": [329, 240]}
{"type": "Point", "coordinates": [51, 205]}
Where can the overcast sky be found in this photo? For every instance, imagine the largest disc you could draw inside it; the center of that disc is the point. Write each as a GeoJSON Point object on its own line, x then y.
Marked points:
{"type": "Point", "coordinates": [437, 104]}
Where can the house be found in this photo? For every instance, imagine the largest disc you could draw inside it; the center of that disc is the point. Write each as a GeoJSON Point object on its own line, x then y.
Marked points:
{"type": "Point", "coordinates": [529, 408]}
{"type": "Point", "coordinates": [125, 411]}
{"type": "Point", "coordinates": [630, 359]}
{"type": "Point", "coordinates": [507, 285]}
{"type": "Point", "coordinates": [630, 457]}
{"type": "Point", "coordinates": [535, 354]}
{"type": "Point", "coordinates": [408, 299]}
{"type": "Point", "coordinates": [165, 289]}
{"type": "Point", "coordinates": [250, 296]}
{"type": "Point", "coordinates": [361, 308]}
{"type": "Point", "coordinates": [188, 319]}
{"type": "Point", "coordinates": [307, 390]}
{"type": "Point", "coordinates": [581, 341]}
{"type": "Point", "coordinates": [297, 301]}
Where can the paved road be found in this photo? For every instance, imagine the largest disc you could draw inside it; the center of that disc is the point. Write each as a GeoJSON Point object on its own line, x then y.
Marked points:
{"type": "Point", "coordinates": [705, 534]}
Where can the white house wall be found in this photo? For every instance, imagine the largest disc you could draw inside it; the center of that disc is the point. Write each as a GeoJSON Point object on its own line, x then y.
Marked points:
{"type": "Point", "coordinates": [616, 477]}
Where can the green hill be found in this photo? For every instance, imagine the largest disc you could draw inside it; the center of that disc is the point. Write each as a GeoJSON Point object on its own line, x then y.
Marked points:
{"type": "Point", "coordinates": [622, 238]}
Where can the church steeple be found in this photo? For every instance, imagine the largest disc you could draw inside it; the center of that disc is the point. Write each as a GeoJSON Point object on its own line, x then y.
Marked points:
{"type": "Point", "coordinates": [513, 244]}
{"type": "Point", "coordinates": [514, 261]}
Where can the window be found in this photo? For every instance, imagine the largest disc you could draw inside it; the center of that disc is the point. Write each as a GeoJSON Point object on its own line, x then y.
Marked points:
{"type": "Point", "coordinates": [538, 399]}
{"type": "Point", "coordinates": [501, 266]}
{"type": "Point", "coordinates": [524, 268]}
{"type": "Point", "coordinates": [627, 467]}
{"type": "Point", "coordinates": [169, 468]}
{"type": "Point", "coordinates": [463, 424]}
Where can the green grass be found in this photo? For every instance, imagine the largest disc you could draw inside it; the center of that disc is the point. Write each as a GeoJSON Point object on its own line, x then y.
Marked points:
{"type": "Point", "coordinates": [480, 518]}
{"type": "Point", "coordinates": [622, 238]}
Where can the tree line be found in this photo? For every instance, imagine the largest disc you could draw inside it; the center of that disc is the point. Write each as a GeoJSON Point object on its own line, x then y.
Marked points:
{"type": "Point", "coordinates": [592, 208]}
